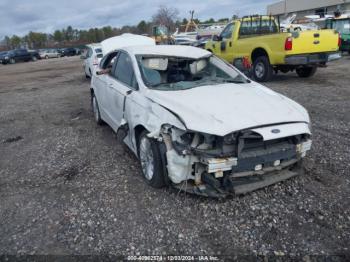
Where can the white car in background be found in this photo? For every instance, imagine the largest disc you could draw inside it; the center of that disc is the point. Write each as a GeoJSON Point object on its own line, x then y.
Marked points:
{"type": "Point", "coordinates": [197, 123]}
{"type": "Point", "coordinates": [91, 58]}
{"type": "Point", "coordinates": [49, 53]}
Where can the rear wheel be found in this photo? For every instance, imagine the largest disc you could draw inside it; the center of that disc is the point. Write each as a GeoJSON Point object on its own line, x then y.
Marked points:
{"type": "Point", "coordinates": [151, 161]}
{"type": "Point", "coordinates": [262, 69]}
{"type": "Point", "coordinates": [306, 71]}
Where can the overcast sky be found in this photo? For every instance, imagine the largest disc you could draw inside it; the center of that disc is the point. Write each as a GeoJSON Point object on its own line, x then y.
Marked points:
{"type": "Point", "coordinates": [21, 16]}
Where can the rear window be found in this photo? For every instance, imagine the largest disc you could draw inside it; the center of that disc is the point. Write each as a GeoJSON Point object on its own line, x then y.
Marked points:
{"type": "Point", "coordinates": [257, 27]}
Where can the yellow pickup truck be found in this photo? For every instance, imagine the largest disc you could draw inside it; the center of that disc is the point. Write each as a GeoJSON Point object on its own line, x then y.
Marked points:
{"type": "Point", "coordinates": [258, 39]}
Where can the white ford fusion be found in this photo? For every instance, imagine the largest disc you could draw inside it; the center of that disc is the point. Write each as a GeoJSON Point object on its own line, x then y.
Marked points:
{"type": "Point", "coordinates": [197, 123]}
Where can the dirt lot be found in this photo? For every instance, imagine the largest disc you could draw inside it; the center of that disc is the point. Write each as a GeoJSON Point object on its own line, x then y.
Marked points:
{"type": "Point", "coordinates": [68, 187]}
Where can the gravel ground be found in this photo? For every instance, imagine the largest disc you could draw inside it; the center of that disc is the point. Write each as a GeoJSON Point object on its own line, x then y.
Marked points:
{"type": "Point", "coordinates": [68, 187]}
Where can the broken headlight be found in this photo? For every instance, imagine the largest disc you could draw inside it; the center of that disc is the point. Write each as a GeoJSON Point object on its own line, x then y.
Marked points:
{"type": "Point", "coordinates": [230, 139]}
{"type": "Point", "coordinates": [190, 138]}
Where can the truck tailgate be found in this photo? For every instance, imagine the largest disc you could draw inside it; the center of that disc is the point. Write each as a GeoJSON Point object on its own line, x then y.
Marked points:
{"type": "Point", "coordinates": [314, 41]}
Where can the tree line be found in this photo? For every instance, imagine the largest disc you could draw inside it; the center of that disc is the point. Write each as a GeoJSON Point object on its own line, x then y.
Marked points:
{"type": "Point", "coordinates": [76, 37]}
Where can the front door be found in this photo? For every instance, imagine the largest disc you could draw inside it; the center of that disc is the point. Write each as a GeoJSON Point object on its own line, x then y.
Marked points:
{"type": "Point", "coordinates": [226, 43]}
{"type": "Point", "coordinates": [121, 83]}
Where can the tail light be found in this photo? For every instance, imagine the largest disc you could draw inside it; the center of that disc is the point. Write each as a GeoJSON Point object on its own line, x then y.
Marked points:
{"type": "Point", "coordinates": [288, 45]}
{"type": "Point", "coordinates": [95, 62]}
{"type": "Point", "coordinates": [339, 40]}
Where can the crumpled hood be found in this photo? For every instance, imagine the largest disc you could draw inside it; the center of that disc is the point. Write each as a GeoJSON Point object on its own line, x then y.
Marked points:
{"type": "Point", "coordinates": [223, 109]}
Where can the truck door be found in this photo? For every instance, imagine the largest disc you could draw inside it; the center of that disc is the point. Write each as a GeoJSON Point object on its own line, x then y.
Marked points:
{"type": "Point", "coordinates": [226, 43]}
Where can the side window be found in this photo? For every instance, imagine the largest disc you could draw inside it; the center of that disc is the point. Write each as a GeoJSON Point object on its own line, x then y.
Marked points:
{"type": "Point", "coordinates": [244, 30]}
{"type": "Point", "coordinates": [268, 27]}
{"type": "Point", "coordinates": [227, 32]}
{"type": "Point", "coordinates": [89, 54]}
{"type": "Point", "coordinates": [107, 61]}
{"type": "Point", "coordinates": [124, 71]}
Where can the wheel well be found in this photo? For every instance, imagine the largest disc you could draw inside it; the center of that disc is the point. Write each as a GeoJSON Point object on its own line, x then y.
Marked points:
{"type": "Point", "coordinates": [138, 130]}
{"type": "Point", "coordinates": [259, 52]}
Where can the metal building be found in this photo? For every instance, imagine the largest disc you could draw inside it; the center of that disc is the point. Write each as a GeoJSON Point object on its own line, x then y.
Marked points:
{"type": "Point", "coordinates": [308, 7]}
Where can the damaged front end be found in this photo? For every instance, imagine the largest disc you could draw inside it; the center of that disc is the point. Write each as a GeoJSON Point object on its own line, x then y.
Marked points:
{"type": "Point", "coordinates": [235, 164]}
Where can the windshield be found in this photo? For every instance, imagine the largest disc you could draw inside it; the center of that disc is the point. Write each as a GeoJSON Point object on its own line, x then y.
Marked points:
{"type": "Point", "coordinates": [342, 26]}
{"type": "Point", "coordinates": [177, 73]}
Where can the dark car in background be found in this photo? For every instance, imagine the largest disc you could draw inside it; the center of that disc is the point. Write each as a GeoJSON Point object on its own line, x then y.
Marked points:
{"type": "Point", "coordinates": [70, 51]}
{"type": "Point", "coordinates": [19, 55]}
{"type": "Point", "coordinates": [2, 56]}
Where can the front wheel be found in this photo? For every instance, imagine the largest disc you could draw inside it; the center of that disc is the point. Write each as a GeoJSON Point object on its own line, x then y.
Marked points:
{"type": "Point", "coordinates": [262, 69]}
{"type": "Point", "coordinates": [151, 161]}
{"type": "Point", "coordinates": [306, 71]}
{"type": "Point", "coordinates": [96, 111]}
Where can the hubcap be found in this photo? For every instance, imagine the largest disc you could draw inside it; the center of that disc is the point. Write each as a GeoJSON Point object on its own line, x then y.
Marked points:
{"type": "Point", "coordinates": [95, 108]}
{"type": "Point", "coordinates": [259, 70]}
{"type": "Point", "coordinates": [146, 158]}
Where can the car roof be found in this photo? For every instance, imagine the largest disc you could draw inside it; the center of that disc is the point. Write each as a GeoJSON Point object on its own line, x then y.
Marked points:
{"type": "Point", "coordinates": [168, 50]}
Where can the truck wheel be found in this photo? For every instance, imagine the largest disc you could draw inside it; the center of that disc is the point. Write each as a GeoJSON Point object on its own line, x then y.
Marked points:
{"type": "Point", "coordinates": [262, 70]}
{"type": "Point", "coordinates": [151, 161]}
{"type": "Point", "coordinates": [306, 71]}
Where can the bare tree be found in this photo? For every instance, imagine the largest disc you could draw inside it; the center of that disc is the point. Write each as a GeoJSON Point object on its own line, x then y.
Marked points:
{"type": "Point", "coordinates": [166, 16]}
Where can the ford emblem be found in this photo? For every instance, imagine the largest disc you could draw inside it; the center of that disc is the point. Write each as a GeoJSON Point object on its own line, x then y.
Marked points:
{"type": "Point", "coordinates": [275, 131]}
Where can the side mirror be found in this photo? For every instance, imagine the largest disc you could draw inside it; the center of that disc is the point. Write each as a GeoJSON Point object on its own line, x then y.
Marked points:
{"type": "Point", "coordinates": [103, 71]}
{"type": "Point", "coordinates": [217, 38]}
{"type": "Point", "coordinates": [82, 57]}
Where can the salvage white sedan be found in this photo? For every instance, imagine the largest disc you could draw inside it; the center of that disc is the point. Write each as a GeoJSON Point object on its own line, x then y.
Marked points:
{"type": "Point", "coordinates": [197, 123]}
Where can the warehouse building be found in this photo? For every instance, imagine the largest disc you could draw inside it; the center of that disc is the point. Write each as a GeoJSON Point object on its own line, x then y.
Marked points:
{"type": "Point", "coordinates": [308, 7]}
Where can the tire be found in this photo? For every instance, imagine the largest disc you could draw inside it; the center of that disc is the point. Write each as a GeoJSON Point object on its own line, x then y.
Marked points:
{"type": "Point", "coordinates": [46, 57]}
{"type": "Point", "coordinates": [96, 110]}
{"type": "Point", "coordinates": [34, 58]}
{"type": "Point", "coordinates": [306, 71]}
{"type": "Point", "coordinates": [151, 161]}
{"type": "Point", "coordinates": [12, 61]}
{"type": "Point", "coordinates": [262, 69]}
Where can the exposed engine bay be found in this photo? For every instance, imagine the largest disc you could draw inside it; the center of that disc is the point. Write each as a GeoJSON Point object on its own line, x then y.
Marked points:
{"type": "Point", "coordinates": [234, 164]}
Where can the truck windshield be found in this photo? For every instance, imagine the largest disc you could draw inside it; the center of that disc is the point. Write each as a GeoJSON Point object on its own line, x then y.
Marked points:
{"type": "Point", "coordinates": [178, 73]}
{"type": "Point", "coordinates": [342, 26]}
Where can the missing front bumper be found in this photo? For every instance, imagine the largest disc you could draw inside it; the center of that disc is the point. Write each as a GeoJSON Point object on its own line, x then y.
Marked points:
{"type": "Point", "coordinates": [239, 185]}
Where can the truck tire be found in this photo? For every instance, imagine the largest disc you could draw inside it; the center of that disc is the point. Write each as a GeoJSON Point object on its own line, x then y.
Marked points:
{"type": "Point", "coordinates": [262, 69]}
{"type": "Point", "coordinates": [306, 71]}
{"type": "Point", "coordinates": [151, 161]}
